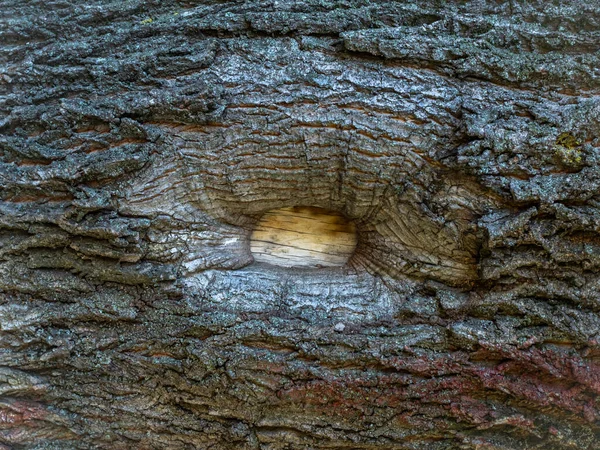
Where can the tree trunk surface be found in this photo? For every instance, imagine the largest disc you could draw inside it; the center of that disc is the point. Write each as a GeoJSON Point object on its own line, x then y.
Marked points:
{"type": "Point", "coordinates": [141, 142]}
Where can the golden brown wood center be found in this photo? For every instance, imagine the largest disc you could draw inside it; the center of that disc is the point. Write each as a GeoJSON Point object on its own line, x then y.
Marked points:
{"type": "Point", "coordinates": [303, 237]}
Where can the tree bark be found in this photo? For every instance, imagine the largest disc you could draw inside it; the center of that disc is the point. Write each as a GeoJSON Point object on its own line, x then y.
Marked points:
{"type": "Point", "coordinates": [140, 143]}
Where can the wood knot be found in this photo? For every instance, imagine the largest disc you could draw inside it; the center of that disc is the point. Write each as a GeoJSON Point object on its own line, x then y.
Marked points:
{"type": "Point", "coordinates": [303, 236]}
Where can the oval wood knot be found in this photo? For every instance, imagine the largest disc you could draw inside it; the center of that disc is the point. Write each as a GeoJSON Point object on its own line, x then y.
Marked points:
{"type": "Point", "coordinates": [303, 236]}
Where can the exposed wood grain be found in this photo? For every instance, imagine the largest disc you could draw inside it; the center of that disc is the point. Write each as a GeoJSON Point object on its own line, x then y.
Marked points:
{"type": "Point", "coordinates": [303, 237]}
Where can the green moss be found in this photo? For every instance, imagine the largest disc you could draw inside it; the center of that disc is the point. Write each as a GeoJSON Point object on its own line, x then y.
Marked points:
{"type": "Point", "coordinates": [147, 21]}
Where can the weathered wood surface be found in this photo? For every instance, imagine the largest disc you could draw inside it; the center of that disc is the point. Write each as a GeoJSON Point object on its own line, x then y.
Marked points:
{"type": "Point", "coordinates": [303, 236]}
{"type": "Point", "coordinates": [141, 141]}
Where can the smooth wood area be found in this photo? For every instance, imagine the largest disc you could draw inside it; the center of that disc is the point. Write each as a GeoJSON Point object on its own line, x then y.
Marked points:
{"type": "Point", "coordinates": [303, 237]}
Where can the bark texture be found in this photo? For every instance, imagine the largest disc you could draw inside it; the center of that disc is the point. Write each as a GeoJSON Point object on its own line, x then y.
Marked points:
{"type": "Point", "coordinates": [142, 140]}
